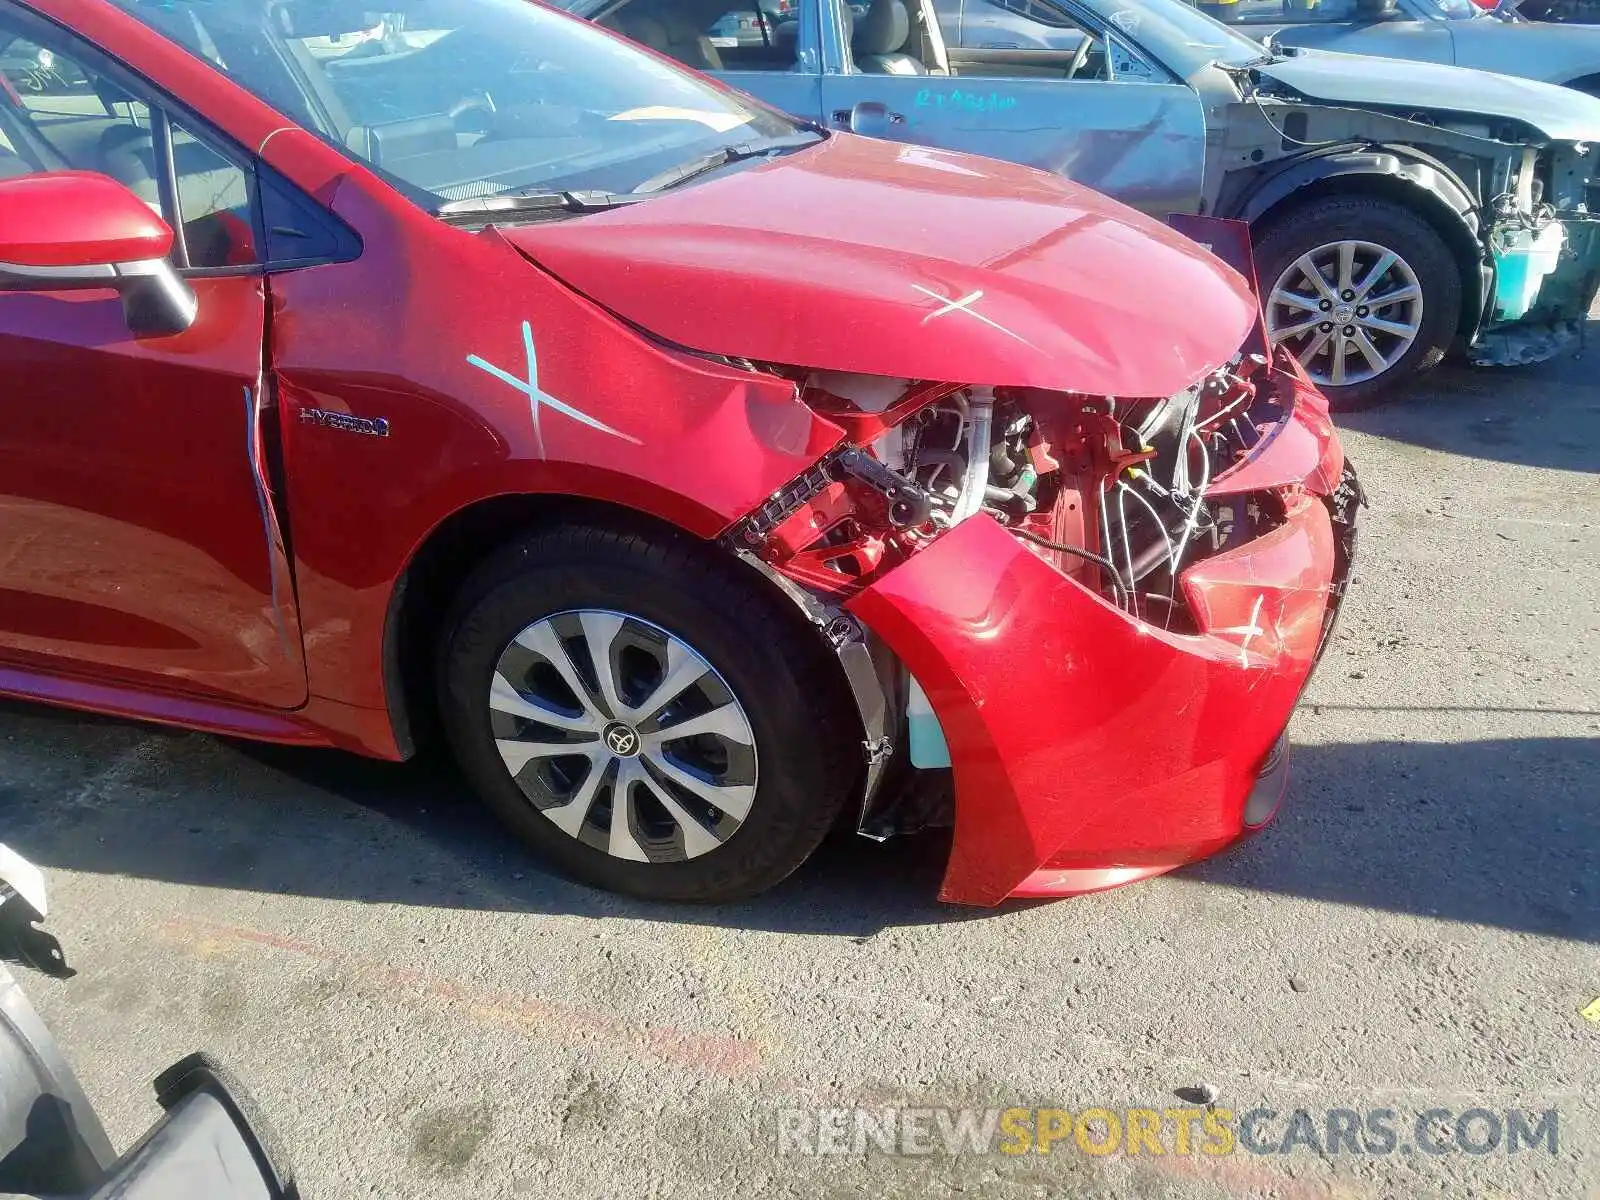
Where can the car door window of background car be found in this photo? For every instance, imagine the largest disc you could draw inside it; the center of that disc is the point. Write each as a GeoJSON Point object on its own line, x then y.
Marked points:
{"type": "Point", "coordinates": [769, 50]}
{"type": "Point", "coordinates": [57, 113]}
{"type": "Point", "coordinates": [1080, 100]}
{"type": "Point", "coordinates": [1029, 39]}
{"type": "Point", "coordinates": [766, 38]}
{"type": "Point", "coordinates": [710, 36]}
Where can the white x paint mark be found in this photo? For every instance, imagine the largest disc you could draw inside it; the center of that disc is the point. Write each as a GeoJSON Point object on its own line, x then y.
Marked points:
{"type": "Point", "coordinates": [964, 305]}
{"type": "Point", "coordinates": [1253, 629]}
{"type": "Point", "coordinates": [539, 398]}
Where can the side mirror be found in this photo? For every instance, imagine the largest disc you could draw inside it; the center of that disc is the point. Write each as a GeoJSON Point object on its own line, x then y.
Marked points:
{"type": "Point", "coordinates": [65, 230]}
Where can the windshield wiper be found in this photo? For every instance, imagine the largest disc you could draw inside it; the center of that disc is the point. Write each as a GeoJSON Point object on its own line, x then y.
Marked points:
{"type": "Point", "coordinates": [532, 205]}
{"type": "Point", "coordinates": [737, 152]}
{"type": "Point", "coordinates": [529, 205]}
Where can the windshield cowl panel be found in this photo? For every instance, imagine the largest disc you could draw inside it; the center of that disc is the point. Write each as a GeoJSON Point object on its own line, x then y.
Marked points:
{"type": "Point", "coordinates": [458, 99]}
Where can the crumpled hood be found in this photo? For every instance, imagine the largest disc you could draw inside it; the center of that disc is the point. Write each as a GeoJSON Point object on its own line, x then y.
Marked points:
{"type": "Point", "coordinates": [1361, 81]}
{"type": "Point", "coordinates": [867, 256]}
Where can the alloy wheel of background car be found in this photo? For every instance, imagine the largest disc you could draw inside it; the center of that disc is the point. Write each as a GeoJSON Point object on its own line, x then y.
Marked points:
{"type": "Point", "coordinates": [1347, 310]}
{"type": "Point", "coordinates": [623, 736]}
{"type": "Point", "coordinates": [1363, 292]}
{"type": "Point", "coordinates": [649, 714]}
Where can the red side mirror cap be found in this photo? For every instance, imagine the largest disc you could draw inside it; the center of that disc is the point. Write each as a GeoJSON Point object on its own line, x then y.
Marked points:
{"type": "Point", "coordinates": [77, 219]}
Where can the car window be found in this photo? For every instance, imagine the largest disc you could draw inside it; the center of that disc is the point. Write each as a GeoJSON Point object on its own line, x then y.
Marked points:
{"type": "Point", "coordinates": [58, 114]}
{"type": "Point", "coordinates": [1178, 35]}
{"type": "Point", "coordinates": [1034, 39]}
{"type": "Point", "coordinates": [712, 36]}
{"type": "Point", "coordinates": [1007, 25]}
{"type": "Point", "coordinates": [453, 100]}
{"type": "Point", "coordinates": [1280, 12]}
{"type": "Point", "coordinates": [1458, 10]}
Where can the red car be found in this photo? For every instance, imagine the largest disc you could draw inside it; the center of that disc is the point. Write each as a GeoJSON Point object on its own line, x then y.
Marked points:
{"type": "Point", "coordinates": [708, 479]}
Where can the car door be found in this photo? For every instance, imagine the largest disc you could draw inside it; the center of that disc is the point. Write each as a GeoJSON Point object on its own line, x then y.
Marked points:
{"type": "Point", "coordinates": [139, 542]}
{"type": "Point", "coordinates": [1387, 28]}
{"type": "Point", "coordinates": [767, 48]}
{"type": "Point", "coordinates": [1032, 81]}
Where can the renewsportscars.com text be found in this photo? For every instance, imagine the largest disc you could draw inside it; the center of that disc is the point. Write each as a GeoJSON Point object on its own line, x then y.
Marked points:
{"type": "Point", "coordinates": [1374, 1132]}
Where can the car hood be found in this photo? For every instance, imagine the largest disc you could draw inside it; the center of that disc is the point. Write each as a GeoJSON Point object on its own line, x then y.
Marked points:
{"type": "Point", "coordinates": [1362, 81]}
{"type": "Point", "coordinates": [866, 256]}
{"type": "Point", "coordinates": [1546, 50]}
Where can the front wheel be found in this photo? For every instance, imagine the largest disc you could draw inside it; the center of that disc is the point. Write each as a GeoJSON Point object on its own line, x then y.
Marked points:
{"type": "Point", "coordinates": [645, 714]}
{"type": "Point", "coordinates": [1362, 290]}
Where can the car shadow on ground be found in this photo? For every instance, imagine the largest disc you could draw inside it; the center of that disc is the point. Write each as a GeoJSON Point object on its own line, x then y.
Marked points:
{"type": "Point", "coordinates": [109, 797]}
{"type": "Point", "coordinates": [1499, 832]}
{"type": "Point", "coordinates": [1546, 415]}
{"type": "Point", "coordinates": [1502, 833]}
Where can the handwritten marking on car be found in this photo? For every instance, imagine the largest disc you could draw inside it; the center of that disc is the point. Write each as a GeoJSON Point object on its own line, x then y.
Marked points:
{"type": "Point", "coordinates": [1253, 629]}
{"type": "Point", "coordinates": [966, 101]}
{"type": "Point", "coordinates": [539, 398]}
{"type": "Point", "coordinates": [964, 304]}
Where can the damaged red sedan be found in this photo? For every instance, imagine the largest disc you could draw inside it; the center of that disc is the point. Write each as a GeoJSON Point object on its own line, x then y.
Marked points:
{"type": "Point", "coordinates": [707, 479]}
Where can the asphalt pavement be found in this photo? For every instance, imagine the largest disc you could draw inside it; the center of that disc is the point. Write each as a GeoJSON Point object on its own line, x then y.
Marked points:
{"type": "Point", "coordinates": [426, 1012]}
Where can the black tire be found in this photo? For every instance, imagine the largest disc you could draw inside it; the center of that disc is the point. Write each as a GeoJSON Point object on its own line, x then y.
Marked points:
{"type": "Point", "coordinates": [1288, 235]}
{"type": "Point", "coordinates": [807, 737]}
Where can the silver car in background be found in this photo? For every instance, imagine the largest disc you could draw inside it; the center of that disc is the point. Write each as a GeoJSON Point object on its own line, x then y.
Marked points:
{"type": "Point", "coordinates": [1457, 32]}
{"type": "Point", "coordinates": [1395, 207]}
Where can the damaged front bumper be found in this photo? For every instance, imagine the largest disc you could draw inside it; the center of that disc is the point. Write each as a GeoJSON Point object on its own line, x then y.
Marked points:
{"type": "Point", "coordinates": [1090, 747]}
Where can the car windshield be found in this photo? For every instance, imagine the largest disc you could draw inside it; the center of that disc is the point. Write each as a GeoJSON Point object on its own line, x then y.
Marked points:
{"type": "Point", "coordinates": [452, 100]}
{"type": "Point", "coordinates": [1186, 38]}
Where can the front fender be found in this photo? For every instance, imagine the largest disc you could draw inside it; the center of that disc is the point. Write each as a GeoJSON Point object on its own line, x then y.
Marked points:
{"type": "Point", "coordinates": [482, 376]}
{"type": "Point", "coordinates": [1432, 178]}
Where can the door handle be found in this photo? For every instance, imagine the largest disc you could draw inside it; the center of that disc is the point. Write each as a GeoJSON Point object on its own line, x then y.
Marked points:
{"type": "Point", "coordinates": [869, 117]}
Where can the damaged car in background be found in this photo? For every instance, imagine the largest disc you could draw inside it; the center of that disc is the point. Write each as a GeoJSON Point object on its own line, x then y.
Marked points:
{"type": "Point", "coordinates": [1398, 208]}
{"type": "Point", "coordinates": [710, 479]}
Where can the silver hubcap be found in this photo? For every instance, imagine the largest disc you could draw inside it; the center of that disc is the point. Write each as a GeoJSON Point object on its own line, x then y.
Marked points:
{"type": "Point", "coordinates": [623, 736]}
{"type": "Point", "coordinates": [1347, 310]}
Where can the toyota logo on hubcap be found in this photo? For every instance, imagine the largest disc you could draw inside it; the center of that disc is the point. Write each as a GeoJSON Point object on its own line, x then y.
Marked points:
{"type": "Point", "coordinates": [621, 740]}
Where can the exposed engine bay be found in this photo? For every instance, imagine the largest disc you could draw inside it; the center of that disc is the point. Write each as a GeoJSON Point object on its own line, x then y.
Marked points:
{"type": "Point", "coordinates": [1110, 491]}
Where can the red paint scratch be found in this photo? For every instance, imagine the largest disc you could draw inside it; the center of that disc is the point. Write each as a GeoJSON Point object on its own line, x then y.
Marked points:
{"type": "Point", "coordinates": [725, 1055]}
